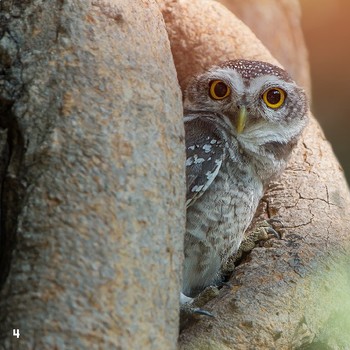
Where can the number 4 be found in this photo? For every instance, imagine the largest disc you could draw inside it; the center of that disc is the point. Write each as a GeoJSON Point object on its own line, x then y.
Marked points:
{"type": "Point", "coordinates": [16, 333]}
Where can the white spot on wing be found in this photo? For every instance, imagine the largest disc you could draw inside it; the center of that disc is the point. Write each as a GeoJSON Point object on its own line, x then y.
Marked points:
{"type": "Point", "coordinates": [197, 188]}
{"type": "Point", "coordinates": [189, 161]}
{"type": "Point", "coordinates": [211, 175]}
{"type": "Point", "coordinates": [198, 160]}
{"type": "Point", "coordinates": [207, 148]}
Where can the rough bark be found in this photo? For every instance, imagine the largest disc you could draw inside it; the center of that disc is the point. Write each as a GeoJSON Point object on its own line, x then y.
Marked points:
{"type": "Point", "coordinates": [92, 139]}
{"type": "Point", "coordinates": [203, 33]}
{"type": "Point", "coordinates": [291, 293]}
{"type": "Point", "coordinates": [279, 28]}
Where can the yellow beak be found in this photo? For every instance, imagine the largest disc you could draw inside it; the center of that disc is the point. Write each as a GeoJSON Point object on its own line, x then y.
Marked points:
{"type": "Point", "coordinates": [241, 119]}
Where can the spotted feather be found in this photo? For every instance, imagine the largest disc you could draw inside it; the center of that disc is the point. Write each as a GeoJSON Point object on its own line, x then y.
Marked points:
{"type": "Point", "coordinates": [235, 146]}
{"type": "Point", "coordinates": [205, 155]}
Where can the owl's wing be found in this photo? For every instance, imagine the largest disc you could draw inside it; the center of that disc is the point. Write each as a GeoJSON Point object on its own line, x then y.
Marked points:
{"type": "Point", "coordinates": [205, 153]}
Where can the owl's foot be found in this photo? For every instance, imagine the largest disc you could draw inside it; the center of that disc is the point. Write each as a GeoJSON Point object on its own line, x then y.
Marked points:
{"type": "Point", "coordinates": [205, 296]}
{"type": "Point", "coordinates": [264, 231]}
{"type": "Point", "coordinates": [191, 308]}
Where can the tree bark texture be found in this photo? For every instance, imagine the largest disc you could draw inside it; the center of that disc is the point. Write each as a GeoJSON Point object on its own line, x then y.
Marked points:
{"type": "Point", "coordinates": [202, 34]}
{"type": "Point", "coordinates": [291, 293]}
{"type": "Point", "coordinates": [92, 163]}
{"type": "Point", "coordinates": [278, 25]}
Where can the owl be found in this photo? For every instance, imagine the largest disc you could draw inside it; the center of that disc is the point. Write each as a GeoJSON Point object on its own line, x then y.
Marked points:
{"type": "Point", "coordinates": [242, 119]}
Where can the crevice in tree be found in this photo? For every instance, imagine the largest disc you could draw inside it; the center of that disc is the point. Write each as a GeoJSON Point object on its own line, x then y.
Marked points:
{"type": "Point", "coordinates": [11, 190]}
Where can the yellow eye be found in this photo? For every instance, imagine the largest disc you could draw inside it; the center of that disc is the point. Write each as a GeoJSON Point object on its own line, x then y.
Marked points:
{"type": "Point", "coordinates": [218, 90]}
{"type": "Point", "coordinates": [274, 97]}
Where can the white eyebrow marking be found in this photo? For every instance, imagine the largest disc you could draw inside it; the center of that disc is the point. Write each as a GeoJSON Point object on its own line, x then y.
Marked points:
{"type": "Point", "coordinates": [258, 84]}
{"type": "Point", "coordinates": [232, 77]}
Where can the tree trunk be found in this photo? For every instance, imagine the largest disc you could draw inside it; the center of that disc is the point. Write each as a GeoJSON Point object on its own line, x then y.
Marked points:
{"type": "Point", "coordinates": [92, 169]}
{"type": "Point", "coordinates": [92, 195]}
{"type": "Point", "coordinates": [291, 293]}
{"type": "Point", "coordinates": [284, 40]}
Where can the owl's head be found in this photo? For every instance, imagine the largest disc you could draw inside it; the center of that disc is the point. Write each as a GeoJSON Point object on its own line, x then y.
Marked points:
{"type": "Point", "coordinates": [257, 102]}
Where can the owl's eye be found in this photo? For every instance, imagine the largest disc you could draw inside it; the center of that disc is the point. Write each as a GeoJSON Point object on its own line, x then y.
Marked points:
{"type": "Point", "coordinates": [218, 90]}
{"type": "Point", "coordinates": [274, 97]}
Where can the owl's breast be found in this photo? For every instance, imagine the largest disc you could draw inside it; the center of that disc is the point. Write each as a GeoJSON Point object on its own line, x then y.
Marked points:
{"type": "Point", "coordinates": [223, 213]}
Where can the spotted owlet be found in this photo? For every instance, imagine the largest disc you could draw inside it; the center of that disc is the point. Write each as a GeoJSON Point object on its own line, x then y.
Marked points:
{"type": "Point", "coordinates": [242, 120]}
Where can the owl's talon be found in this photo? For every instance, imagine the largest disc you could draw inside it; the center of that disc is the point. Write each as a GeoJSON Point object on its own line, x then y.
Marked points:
{"type": "Point", "coordinates": [263, 232]}
{"type": "Point", "coordinates": [272, 232]}
{"type": "Point", "coordinates": [198, 311]}
{"type": "Point", "coordinates": [267, 230]}
{"type": "Point", "coordinates": [188, 311]}
{"type": "Point", "coordinates": [271, 221]}
{"type": "Point", "coordinates": [271, 228]}
{"type": "Point", "coordinates": [193, 306]}
{"type": "Point", "coordinates": [190, 314]}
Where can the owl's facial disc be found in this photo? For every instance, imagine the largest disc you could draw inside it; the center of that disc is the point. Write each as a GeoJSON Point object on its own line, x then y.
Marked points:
{"type": "Point", "coordinates": [254, 100]}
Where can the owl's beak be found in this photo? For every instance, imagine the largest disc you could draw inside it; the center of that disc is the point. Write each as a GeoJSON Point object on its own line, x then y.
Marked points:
{"type": "Point", "coordinates": [241, 119]}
